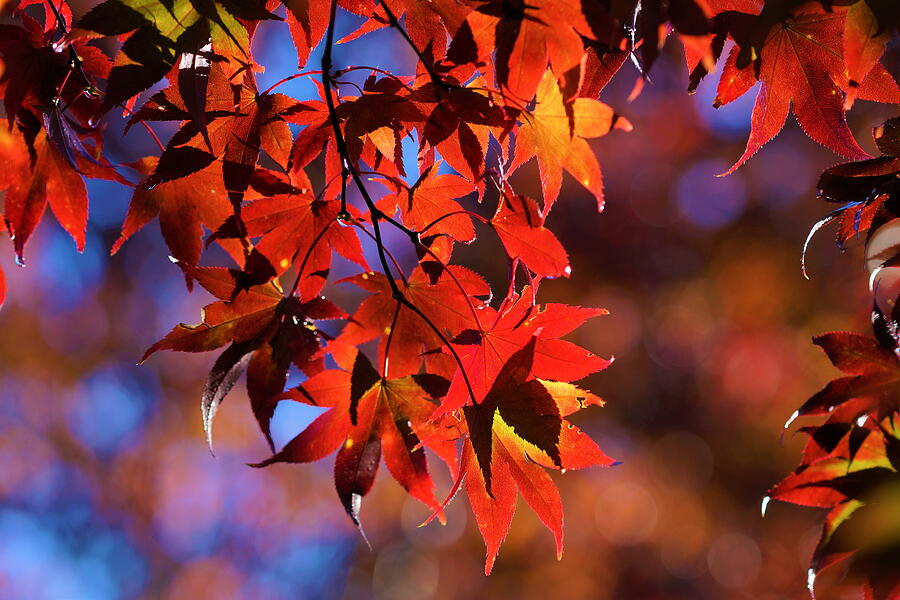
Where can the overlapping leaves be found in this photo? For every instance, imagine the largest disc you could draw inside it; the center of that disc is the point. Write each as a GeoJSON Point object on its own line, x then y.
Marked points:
{"type": "Point", "coordinates": [282, 185]}
{"type": "Point", "coordinates": [813, 58]}
{"type": "Point", "coordinates": [851, 460]}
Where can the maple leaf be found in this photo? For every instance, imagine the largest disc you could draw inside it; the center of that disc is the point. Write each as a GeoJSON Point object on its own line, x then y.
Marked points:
{"type": "Point", "coordinates": [42, 85]}
{"type": "Point", "coordinates": [36, 76]}
{"type": "Point", "coordinates": [238, 316]}
{"type": "Point", "coordinates": [873, 373]}
{"type": "Point", "coordinates": [690, 18]}
{"type": "Point", "coordinates": [600, 66]}
{"type": "Point", "coordinates": [802, 67]}
{"type": "Point", "coordinates": [850, 462]}
{"type": "Point", "coordinates": [259, 127]}
{"type": "Point", "coordinates": [432, 201]}
{"type": "Point", "coordinates": [267, 333]}
{"type": "Point", "coordinates": [429, 24]}
{"type": "Point", "coordinates": [520, 225]}
{"type": "Point", "coordinates": [459, 124]}
{"type": "Point", "coordinates": [382, 115]}
{"type": "Point", "coordinates": [368, 416]}
{"type": "Point", "coordinates": [864, 43]}
{"type": "Point", "coordinates": [237, 124]}
{"type": "Point", "coordinates": [184, 206]}
{"type": "Point", "coordinates": [855, 475]}
{"type": "Point", "coordinates": [556, 134]}
{"type": "Point", "coordinates": [835, 478]}
{"type": "Point", "coordinates": [294, 228]}
{"type": "Point", "coordinates": [307, 20]}
{"type": "Point", "coordinates": [31, 187]}
{"type": "Point", "coordinates": [517, 430]}
{"type": "Point", "coordinates": [442, 301]}
{"type": "Point", "coordinates": [193, 83]}
{"type": "Point", "coordinates": [523, 37]}
{"type": "Point", "coordinates": [498, 335]}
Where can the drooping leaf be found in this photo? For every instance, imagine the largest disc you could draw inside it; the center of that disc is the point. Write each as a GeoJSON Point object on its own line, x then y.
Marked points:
{"type": "Point", "coordinates": [369, 417]}
{"type": "Point", "coordinates": [50, 180]}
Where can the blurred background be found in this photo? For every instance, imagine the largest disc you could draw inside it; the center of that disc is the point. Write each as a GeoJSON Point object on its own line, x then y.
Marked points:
{"type": "Point", "coordinates": [107, 490]}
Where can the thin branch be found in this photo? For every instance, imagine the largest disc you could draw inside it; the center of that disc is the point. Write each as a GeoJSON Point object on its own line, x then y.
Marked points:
{"type": "Point", "coordinates": [373, 210]}
{"type": "Point", "coordinates": [149, 129]}
{"type": "Point", "coordinates": [395, 180]}
{"type": "Point", "coordinates": [74, 59]}
{"type": "Point", "coordinates": [351, 83]}
{"type": "Point", "coordinates": [344, 215]}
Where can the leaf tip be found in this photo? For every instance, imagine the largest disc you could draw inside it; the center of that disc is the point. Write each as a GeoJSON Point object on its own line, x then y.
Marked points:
{"type": "Point", "coordinates": [489, 563]}
{"type": "Point", "coordinates": [624, 124]}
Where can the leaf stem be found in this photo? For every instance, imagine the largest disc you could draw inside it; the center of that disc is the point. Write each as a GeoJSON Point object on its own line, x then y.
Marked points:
{"type": "Point", "coordinates": [286, 79]}
{"type": "Point", "coordinates": [73, 56]}
{"type": "Point", "coordinates": [309, 251]}
{"type": "Point", "coordinates": [388, 74]}
{"type": "Point", "coordinates": [453, 214]}
{"type": "Point", "coordinates": [147, 127]}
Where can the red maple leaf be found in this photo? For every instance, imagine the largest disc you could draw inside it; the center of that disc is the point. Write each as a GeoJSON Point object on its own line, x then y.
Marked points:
{"type": "Point", "coordinates": [518, 429]}
{"type": "Point", "coordinates": [523, 38]}
{"type": "Point", "coordinates": [267, 333]}
{"type": "Point", "coordinates": [802, 67]}
{"type": "Point", "coordinates": [30, 187]}
{"type": "Point", "coordinates": [499, 334]}
{"type": "Point", "coordinates": [440, 300]}
{"type": "Point", "coordinates": [520, 225]}
{"type": "Point", "coordinates": [370, 416]}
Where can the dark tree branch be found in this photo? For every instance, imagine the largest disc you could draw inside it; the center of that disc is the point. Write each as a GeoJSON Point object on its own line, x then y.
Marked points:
{"type": "Point", "coordinates": [344, 153]}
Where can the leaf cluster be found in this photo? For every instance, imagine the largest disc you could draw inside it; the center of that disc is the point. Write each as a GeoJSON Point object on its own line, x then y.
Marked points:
{"type": "Point", "coordinates": [432, 360]}
{"type": "Point", "coordinates": [851, 460]}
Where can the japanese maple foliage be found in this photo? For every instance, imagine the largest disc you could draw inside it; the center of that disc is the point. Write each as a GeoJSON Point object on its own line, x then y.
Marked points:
{"type": "Point", "coordinates": [483, 380]}
{"type": "Point", "coordinates": [851, 461]}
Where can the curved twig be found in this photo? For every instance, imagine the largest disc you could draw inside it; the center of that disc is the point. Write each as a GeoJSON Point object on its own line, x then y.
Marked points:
{"type": "Point", "coordinates": [373, 210]}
